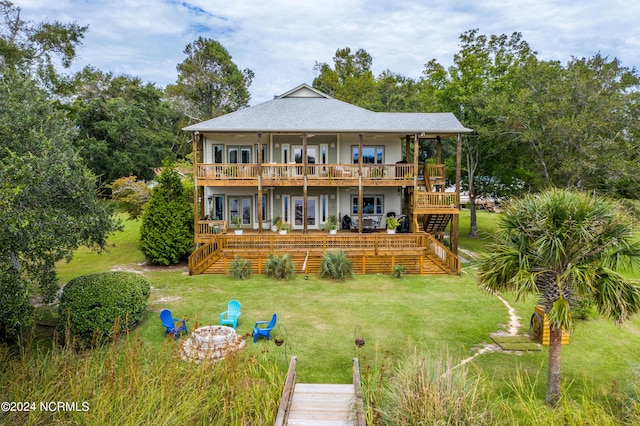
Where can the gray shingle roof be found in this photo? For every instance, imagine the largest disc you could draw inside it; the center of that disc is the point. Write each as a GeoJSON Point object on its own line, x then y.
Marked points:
{"type": "Point", "coordinates": [323, 114]}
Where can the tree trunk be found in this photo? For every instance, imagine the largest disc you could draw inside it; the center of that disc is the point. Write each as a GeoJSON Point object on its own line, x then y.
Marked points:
{"type": "Point", "coordinates": [553, 377]}
{"type": "Point", "coordinates": [473, 222]}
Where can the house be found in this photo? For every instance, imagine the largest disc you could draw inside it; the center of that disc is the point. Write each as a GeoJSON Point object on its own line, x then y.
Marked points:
{"type": "Point", "coordinates": [304, 157]}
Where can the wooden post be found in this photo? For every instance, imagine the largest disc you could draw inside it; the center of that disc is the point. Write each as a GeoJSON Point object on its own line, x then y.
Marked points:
{"type": "Point", "coordinates": [197, 137]}
{"type": "Point", "coordinates": [360, 189]}
{"type": "Point", "coordinates": [304, 187]}
{"type": "Point", "coordinates": [438, 150]}
{"type": "Point", "coordinates": [260, 183]}
{"type": "Point", "coordinates": [407, 147]}
{"type": "Point", "coordinates": [458, 166]}
{"type": "Point", "coordinates": [414, 218]}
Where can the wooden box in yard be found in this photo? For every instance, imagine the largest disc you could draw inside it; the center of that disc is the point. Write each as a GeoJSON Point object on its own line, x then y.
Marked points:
{"type": "Point", "coordinates": [539, 327]}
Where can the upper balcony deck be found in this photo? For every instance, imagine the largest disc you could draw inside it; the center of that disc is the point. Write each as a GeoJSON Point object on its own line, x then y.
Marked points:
{"type": "Point", "coordinates": [240, 174]}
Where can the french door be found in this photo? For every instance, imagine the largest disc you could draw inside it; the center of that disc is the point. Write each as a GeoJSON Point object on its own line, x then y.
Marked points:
{"type": "Point", "coordinates": [298, 212]}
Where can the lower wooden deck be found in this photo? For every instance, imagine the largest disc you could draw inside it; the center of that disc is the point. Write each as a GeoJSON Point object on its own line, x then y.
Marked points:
{"type": "Point", "coordinates": [419, 253]}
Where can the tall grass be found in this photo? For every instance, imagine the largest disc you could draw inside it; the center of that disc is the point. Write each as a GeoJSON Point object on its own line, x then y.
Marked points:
{"type": "Point", "coordinates": [430, 389]}
{"type": "Point", "coordinates": [131, 383]}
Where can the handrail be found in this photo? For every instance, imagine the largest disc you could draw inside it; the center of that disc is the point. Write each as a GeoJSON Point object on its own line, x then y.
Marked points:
{"type": "Point", "coordinates": [287, 394]}
{"type": "Point", "coordinates": [323, 242]}
{"type": "Point", "coordinates": [426, 200]}
{"type": "Point", "coordinates": [442, 253]}
{"type": "Point", "coordinates": [357, 386]}
{"type": "Point", "coordinates": [322, 172]}
{"type": "Point", "coordinates": [203, 256]}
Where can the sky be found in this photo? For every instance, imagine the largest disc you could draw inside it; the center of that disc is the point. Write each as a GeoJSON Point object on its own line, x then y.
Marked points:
{"type": "Point", "coordinates": [282, 40]}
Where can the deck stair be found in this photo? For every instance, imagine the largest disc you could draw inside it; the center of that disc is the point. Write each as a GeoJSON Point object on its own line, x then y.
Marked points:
{"type": "Point", "coordinates": [307, 404]}
{"type": "Point", "coordinates": [435, 223]}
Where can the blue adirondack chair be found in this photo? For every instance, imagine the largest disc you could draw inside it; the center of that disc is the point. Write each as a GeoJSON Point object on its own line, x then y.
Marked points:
{"type": "Point", "coordinates": [231, 315]}
{"type": "Point", "coordinates": [263, 328]}
{"type": "Point", "coordinates": [174, 326]}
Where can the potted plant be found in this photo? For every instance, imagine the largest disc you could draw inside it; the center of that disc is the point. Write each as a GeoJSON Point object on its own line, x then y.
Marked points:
{"type": "Point", "coordinates": [392, 223]}
{"type": "Point", "coordinates": [237, 221]}
{"type": "Point", "coordinates": [283, 227]}
{"type": "Point", "coordinates": [274, 225]}
{"type": "Point", "coordinates": [332, 225]}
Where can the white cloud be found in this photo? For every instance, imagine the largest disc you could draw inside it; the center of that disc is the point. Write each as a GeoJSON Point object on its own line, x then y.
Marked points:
{"type": "Point", "coordinates": [281, 40]}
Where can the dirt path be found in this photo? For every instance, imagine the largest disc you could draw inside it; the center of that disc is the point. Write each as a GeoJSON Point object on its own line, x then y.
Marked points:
{"type": "Point", "coordinates": [513, 327]}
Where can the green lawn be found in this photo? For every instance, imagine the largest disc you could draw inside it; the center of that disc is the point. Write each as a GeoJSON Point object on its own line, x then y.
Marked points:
{"type": "Point", "coordinates": [320, 318]}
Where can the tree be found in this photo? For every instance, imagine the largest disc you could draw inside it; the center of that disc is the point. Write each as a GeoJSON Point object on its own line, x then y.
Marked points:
{"type": "Point", "coordinates": [125, 127]}
{"type": "Point", "coordinates": [34, 47]}
{"type": "Point", "coordinates": [573, 125]}
{"type": "Point", "coordinates": [166, 235]}
{"type": "Point", "coordinates": [483, 67]}
{"type": "Point", "coordinates": [132, 194]}
{"type": "Point", "coordinates": [47, 197]}
{"type": "Point", "coordinates": [562, 245]}
{"type": "Point", "coordinates": [209, 82]}
{"type": "Point", "coordinates": [351, 80]}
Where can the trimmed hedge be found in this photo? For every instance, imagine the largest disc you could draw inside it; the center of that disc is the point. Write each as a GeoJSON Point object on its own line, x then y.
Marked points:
{"type": "Point", "coordinates": [92, 305]}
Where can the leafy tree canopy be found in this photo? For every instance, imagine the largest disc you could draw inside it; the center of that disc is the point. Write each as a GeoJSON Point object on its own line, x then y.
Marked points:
{"type": "Point", "coordinates": [34, 47]}
{"type": "Point", "coordinates": [125, 127]}
{"type": "Point", "coordinates": [209, 82]}
{"type": "Point", "coordinates": [47, 196]}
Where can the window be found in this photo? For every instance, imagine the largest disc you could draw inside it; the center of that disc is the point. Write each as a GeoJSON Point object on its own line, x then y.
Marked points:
{"type": "Point", "coordinates": [233, 155]}
{"type": "Point", "coordinates": [264, 153]}
{"type": "Point", "coordinates": [323, 209]}
{"type": "Point", "coordinates": [370, 154]}
{"type": "Point", "coordinates": [264, 207]}
{"type": "Point", "coordinates": [370, 204]}
{"type": "Point", "coordinates": [217, 153]}
{"type": "Point", "coordinates": [285, 208]}
{"type": "Point", "coordinates": [245, 154]}
{"type": "Point", "coordinates": [218, 207]}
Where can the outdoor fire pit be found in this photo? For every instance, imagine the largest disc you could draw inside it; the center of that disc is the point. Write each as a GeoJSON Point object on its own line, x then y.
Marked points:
{"type": "Point", "coordinates": [211, 343]}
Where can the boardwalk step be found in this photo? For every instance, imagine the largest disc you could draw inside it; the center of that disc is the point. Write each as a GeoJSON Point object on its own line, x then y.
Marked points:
{"type": "Point", "coordinates": [322, 404]}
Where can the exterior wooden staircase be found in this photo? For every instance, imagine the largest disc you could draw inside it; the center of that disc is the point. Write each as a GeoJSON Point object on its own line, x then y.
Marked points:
{"type": "Point", "coordinates": [305, 404]}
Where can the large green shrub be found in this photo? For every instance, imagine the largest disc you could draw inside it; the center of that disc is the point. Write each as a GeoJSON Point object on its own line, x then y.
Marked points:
{"type": "Point", "coordinates": [97, 306]}
{"type": "Point", "coordinates": [166, 234]}
{"type": "Point", "coordinates": [280, 267]}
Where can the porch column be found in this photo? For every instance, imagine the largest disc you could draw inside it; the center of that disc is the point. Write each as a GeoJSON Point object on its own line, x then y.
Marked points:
{"type": "Point", "coordinates": [360, 143]}
{"type": "Point", "coordinates": [304, 186]}
{"type": "Point", "coordinates": [260, 183]}
{"type": "Point", "coordinates": [454, 230]}
{"type": "Point", "coordinates": [407, 147]}
{"type": "Point", "coordinates": [196, 149]}
{"type": "Point", "coordinates": [414, 218]}
{"type": "Point", "coordinates": [438, 150]}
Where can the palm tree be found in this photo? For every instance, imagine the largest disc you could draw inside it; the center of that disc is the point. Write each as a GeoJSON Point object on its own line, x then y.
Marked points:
{"type": "Point", "coordinates": [562, 245]}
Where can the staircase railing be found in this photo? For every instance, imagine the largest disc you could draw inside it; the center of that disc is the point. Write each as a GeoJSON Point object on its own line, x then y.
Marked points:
{"type": "Point", "coordinates": [443, 254]}
{"type": "Point", "coordinates": [204, 256]}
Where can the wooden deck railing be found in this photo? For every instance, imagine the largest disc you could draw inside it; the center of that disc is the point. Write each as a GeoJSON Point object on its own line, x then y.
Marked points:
{"type": "Point", "coordinates": [446, 256]}
{"type": "Point", "coordinates": [427, 200]}
{"type": "Point", "coordinates": [359, 400]}
{"type": "Point", "coordinates": [204, 256]}
{"type": "Point", "coordinates": [321, 242]}
{"type": "Point", "coordinates": [319, 172]}
{"type": "Point", "coordinates": [287, 393]}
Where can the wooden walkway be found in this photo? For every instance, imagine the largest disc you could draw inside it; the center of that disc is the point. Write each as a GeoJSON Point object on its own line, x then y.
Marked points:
{"type": "Point", "coordinates": [322, 404]}
{"type": "Point", "coordinates": [305, 404]}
